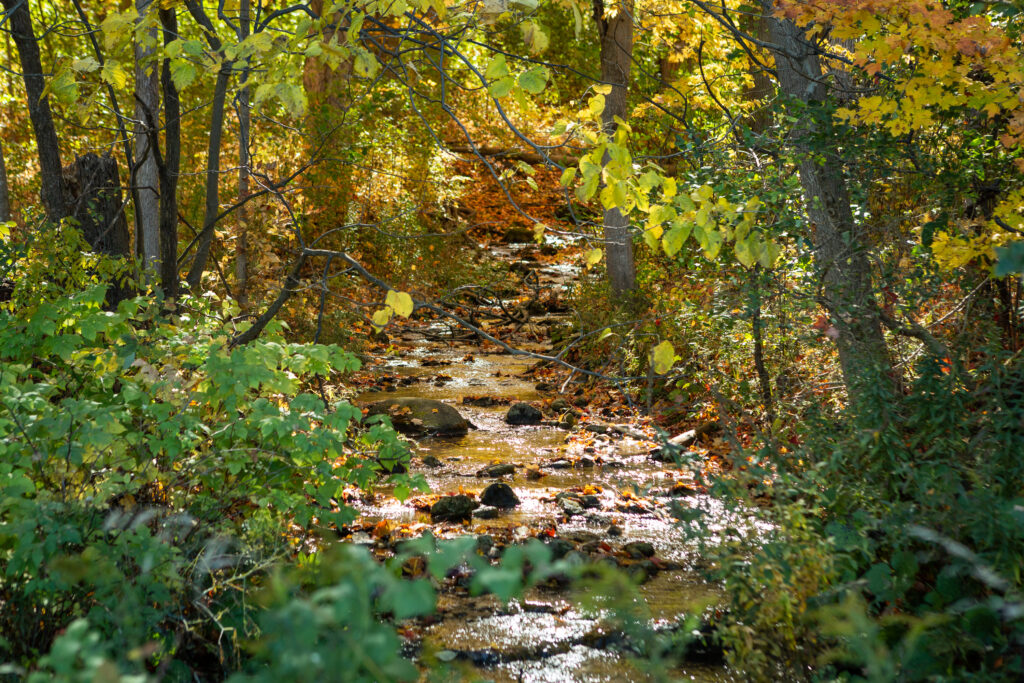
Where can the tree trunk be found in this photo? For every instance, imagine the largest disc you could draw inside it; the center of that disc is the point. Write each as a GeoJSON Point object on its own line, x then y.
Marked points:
{"type": "Point", "coordinates": [761, 90]}
{"type": "Point", "coordinates": [5, 193]}
{"type": "Point", "coordinates": [94, 192]}
{"type": "Point", "coordinates": [53, 191]}
{"type": "Point", "coordinates": [94, 188]}
{"type": "Point", "coordinates": [840, 245]}
{"type": "Point", "coordinates": [242, 252]}
{"type": "Point", "coordinates": [616, 34]}
{"type": "Point", "coordinates": [195, 273]}
{"type": "Point", "coordinates": [145, 176]}
{"type": "Point", "coordinates": [171, 166]}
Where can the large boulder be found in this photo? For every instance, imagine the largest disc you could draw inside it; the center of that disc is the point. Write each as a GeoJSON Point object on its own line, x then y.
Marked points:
{"type": "Point", "coordinates": [421, 416]}
{"type": "Point", "coordinates": [453, 508]}
{"type": "Point", "coordinates": [499, 496]}
{"type": "Point", "coordinates": [523, 414]}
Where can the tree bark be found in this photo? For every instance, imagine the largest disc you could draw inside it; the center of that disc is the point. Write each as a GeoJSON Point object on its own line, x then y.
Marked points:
{"type": "Point", "coordinates": [761, 90]}
{"type": "Point", "coordinates": [145, 176]}
{"type": "Point", "coordinates": [53, 191]}
{"type": "Point", "coordinates": [172, 162]}
{"type": "Point", "coordinates": [242, 252]}
{"type": "Point", "coordinates": [5, 192]}
{"type": "Point", "coordinates": [94, 188]}
{"type": "Point", "coordinates": [840, 245]}
{"type": "Point", "coordinates": [195, 273]}
{"type": "Point", "coordinates": [616, 35]}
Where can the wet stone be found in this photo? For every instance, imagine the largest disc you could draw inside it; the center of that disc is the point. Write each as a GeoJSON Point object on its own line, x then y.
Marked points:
{"type": "Point", "coordinates": [638, 549]}
{"type": "Point", "coordinates": [590, 502]}
{"type": "Point", "coordinates": [544, 386]}
{"type": "Point", "coordinates": [500, 496]}
{"type": "Point", "coordinates": [585, 462]}
{"type": "Point", "coordinates": [560, 405]}
{"type": "Point", "coordinates": [486, 512]}
{"type": "Point", "coordinates": [560, 465]}
{"type": "Point", "coordinates": [559, 547]}
{"type": "Point", "coordinates": [497, 470]}
{"type": "Point", "coordinates": [453, 508]}
{"type": "Point", "coordinates": [523, 414]}
{"type": "Point", "coordinates": [421, 416]}
{"type": "Point", "coordinates": [431, 461]}
{"type": "Point", "coordinates": [484, 542]}
{"type": "Point", "coordinates": [517, 235]}
{"type": "Point", "coordinates": [571, 506]}
{"type": "Point", "coordinates": [613, 530]}
{"type": "Point", "coordinates": [581, 536]}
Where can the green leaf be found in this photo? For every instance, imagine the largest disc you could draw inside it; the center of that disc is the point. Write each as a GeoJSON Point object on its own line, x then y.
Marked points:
{"type": "Point", "coordinates": [114, 74]}
{"type": "Point", "coordinates": [535, 37]}
{"type": "Point", "coordinates": [502, 87]}
{"type": "Point", "coordinates": [496, 68]}
{"type": "Point", "coordinates": [411, 598]}
{"type": "Point", "coordinates": [744, 252]}
{"type": "Point", "coordinates": [769, 254]}
{"type": "Point", "coordinates": [183, 73]}
{"type": "Point", "coordinates": [64, 87]}
{"type": "Point", "coordinates": [85, 65]}
{"type": "Point", "coordinates": [567, 176]}
{"type": "Point", "coordinates": [712, 244]}
{"type": "Point", "coordinates": [365, 64]}
{"type": "Point", "coordinates": [534, 80]}
{"type": "Point", "coordinates": [675, 238]}
{"type": "Point", "coordinates": [1010, 259]}
{"type": "Point", "coordinates": [663, 357]}
{"type": "Point", "coordinates": [586, 191]}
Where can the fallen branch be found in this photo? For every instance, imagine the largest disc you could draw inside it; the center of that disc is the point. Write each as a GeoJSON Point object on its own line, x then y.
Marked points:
{"type": "Point", "coordinates": [684, 440]}
{"type": "Point", "coordinates": [532, 158]}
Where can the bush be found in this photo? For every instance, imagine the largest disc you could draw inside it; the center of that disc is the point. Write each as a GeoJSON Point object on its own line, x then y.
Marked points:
{"type": "Point", "coordinates": [894, 542]}
{"type": "Point", "coordinates": [153, 473]}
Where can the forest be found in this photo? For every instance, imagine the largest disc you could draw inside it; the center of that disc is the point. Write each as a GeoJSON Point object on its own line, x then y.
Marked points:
{"type": "Point", "coordinates": [511, 340]}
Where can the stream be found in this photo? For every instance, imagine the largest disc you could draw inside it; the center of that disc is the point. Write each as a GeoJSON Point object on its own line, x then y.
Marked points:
{"type": "Point", "coordinates": [619, 500]}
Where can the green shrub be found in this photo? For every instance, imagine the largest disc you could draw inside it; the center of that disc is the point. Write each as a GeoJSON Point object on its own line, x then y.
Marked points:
{"type": "Point", "coordinates": [152, 473]}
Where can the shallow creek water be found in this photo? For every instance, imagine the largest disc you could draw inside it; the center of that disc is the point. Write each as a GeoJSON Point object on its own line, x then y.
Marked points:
{"type": "Point", "coordinates": [568, 636]}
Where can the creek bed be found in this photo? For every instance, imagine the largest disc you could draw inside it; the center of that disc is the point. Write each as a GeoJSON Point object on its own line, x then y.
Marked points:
{"type": "Point", "coordinates": [562, 642]}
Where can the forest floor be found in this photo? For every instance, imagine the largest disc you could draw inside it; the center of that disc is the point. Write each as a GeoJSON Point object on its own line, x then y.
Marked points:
{"type": "Point", "coordinates": [583, 475]}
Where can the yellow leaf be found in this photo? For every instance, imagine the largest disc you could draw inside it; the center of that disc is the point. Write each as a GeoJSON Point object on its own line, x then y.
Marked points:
{"type": "Point", "coordinates": [594, 257]}
{"type": "Point", "coordinates": [380, 319]}
{"type": "Point", "coordinates": [400, 302]}
{"type": "Point", "coordinates": [663, 357]}
{"type": "Point", "coordinates": [602, 89]}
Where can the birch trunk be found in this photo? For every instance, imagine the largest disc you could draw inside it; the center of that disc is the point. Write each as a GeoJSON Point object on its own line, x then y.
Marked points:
{"type": "Point", "coordinates": [146, 177]}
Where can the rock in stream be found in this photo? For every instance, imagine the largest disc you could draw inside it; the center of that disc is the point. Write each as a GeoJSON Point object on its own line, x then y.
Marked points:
{"type": "Point", "coordinates": [421, 416]}
{"type": "Point", "coordinates": [523, 414]}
